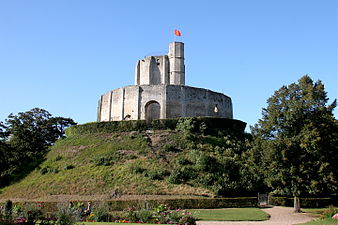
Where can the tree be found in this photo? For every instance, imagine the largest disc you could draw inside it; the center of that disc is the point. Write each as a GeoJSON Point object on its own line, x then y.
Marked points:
{"type": "Point", "coordinates": [24, 141]}
{"type": "Point", "coordinates": [5, 154]}
{"type": "Point", "coordinates": [298, 141]}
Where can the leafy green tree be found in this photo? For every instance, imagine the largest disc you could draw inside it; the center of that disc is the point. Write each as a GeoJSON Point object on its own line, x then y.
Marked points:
{"type": "Point", "coordinates": [5, 154]}
{"type": "Point", "coordinates": [296, 141]}
{"type": "Point", "coordinates": [24, 141]}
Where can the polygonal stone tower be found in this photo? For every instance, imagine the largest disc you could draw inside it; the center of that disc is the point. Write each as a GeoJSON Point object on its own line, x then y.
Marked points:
{"type": "Point", "coordinates": [160, 92]}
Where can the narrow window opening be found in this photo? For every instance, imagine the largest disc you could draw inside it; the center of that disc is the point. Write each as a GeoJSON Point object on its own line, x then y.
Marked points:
{"type": "Point", "coordinates": [216, 109]}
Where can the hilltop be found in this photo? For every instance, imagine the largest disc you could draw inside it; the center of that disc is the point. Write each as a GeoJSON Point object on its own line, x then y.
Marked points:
{"type": "Point", "coordinates": [99, 161]}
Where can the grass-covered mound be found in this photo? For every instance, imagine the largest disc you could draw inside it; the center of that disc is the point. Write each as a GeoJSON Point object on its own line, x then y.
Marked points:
{"type": "Point", "coordinates": [191, 158]}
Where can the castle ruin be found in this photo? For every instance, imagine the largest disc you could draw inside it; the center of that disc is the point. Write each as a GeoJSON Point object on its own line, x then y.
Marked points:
{"type": "Point", "coordinates": [160, 92]}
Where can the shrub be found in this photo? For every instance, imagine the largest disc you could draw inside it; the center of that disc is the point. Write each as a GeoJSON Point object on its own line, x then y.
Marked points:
{"type": "Point", "coordinates": [202, 127]}
{"type": "Point", "coordinates": [304, 202]}
{"type": "Point", "coordinates": [207, 125]}
{"type": "Point", "coordinates": [144, 215]}
{"type": "Point", "coordinates": [48, 169]}
{"type": "Point", "coordinates": [203, 161]}
{"type": "Point", "coordinates": [131, 215]}
{"type": "Point", "coordinates": [169, 148]}
{"type": "Point", "coordinates": [186, 125]}
{"type": "Point", "coordinates": [58, 158]}
{"type": "Point", "coordinates": [103, 161]}
{"type": "Point", "coordinates": [101, 212]}
{"type": "Point", "coordinates": [8, 209]}
{"type": "Point", "coordinates": [67, 215]}
{"type": "Point", "coordinates": [68, 167]}
{"type": "Point", "coordinates": [136, 169]}
{"type": "Point", "coordinates": [157, 174]}
{"type": "Point", "coordinates": [182, 174]}
{"type": "Point", "coordinates": [161, 214]}
{"type": "Point", "coordinates": [329, 212]}
{"type": "Point", "coordinates": [32, 213]}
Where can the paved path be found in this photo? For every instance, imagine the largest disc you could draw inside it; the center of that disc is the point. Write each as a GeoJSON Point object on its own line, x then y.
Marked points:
{"type": "Point", "coordinates": [279, 216]}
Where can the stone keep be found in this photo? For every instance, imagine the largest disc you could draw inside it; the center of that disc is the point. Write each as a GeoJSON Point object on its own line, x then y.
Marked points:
{"type": "Point", "coordinates": [160, 92]}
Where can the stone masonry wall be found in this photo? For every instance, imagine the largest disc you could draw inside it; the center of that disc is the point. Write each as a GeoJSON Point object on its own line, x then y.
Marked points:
{"type": "Point", "coordinates": [131, 102]}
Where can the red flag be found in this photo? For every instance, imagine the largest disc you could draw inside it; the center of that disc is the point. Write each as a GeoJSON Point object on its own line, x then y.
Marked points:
{"type": "Point", "coordinates": [177, 32]}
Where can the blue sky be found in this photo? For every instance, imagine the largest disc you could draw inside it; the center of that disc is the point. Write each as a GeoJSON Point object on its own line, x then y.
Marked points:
{"type": "Point", "coordinates": [61, 55]}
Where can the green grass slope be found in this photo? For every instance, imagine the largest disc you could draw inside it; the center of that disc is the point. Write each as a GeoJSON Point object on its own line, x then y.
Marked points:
{"type": "Point", "coordinates": [178, 157]}
{"type": "Point", "coordinates": [130, 163]}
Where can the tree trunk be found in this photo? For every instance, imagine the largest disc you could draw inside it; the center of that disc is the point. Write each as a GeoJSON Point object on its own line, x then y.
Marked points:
{"type": "Point", "coordinates": [296, 204]}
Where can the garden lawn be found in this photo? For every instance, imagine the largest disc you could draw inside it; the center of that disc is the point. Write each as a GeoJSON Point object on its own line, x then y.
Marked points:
{"type": "Point", "coordinates": [314, 211]}
{"type": "Point", "coordinates": [230, 214]}
{"type": "Point", "coordinates": [321, 222]}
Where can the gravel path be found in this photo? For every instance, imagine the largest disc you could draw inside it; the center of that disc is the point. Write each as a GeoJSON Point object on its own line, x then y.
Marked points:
{"type": "Point", "coordinates": [279, 216]}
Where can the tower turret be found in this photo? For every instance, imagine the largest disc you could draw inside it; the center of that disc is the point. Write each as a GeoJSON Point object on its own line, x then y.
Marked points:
{"type": "Point", "coordinates": [176, 63]}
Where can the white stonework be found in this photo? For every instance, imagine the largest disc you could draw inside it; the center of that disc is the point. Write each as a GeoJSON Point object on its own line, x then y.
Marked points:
{"type": "Point", "coordinates": [160, 92]}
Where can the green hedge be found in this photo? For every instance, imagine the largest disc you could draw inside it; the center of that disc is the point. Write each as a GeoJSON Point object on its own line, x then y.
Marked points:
{"type": "Point", "coordinates": [198, 203]}
{"type": "Point", "coordinates": [192, 203]}
{"type": "Point", "coordinates": [304, 202]}
{"type": "Point", "coordinates": [213, 125]}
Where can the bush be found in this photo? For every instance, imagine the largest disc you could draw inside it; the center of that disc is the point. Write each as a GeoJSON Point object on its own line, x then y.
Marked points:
{"type": "Point", "coordinates": [182, 174]}
{"type": "Point", "coordinates": [161, 214]}
{"type": "Point", "coordinates": [191, 203]}
{"type": "Point", "coordinates": [101, 212]}
{"type": "Point", "coordinates": [329, 212]}
{"type": "Point", "coordinates": [68, 167]}
{"type": "Point", "coordinates": [186, 125]}
{"type": "Point", "coordinates": [103, 160]}
{"type": "Point", "coordinates": [304, 202]}
{"type": "Point", "coordinates": [169, 148]}
{"type": "Point", "coordinates": [144, 215]}
{"type": "Point", "coordinates": [48, 169]}
{"type": "Point", "coordinates": [157, 174]}
{"type": "Point", "coordinates": [58, 158]}
{"type": "Point", "coordinates": [207, 125]}
{"type": "Point", "coordinates": [8, 209]}
{"type": "Point", "coordinates": [136, 169]}
{"type": "Point", "coordinates": [67, 215]}
{"type": "Point", "coordinates": [32, 213]}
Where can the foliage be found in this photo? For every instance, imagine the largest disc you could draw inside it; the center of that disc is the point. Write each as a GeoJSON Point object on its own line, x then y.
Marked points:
{"type": "Point", "coordinates": [161, 214]}
{"type": "Point", "coordinates": [8, 209]}
{"type": "Point", "coordinates": [186, 126]}
{"type": "Point", "coordinates": [32, 214]}
{"type": "Point", "coordinates": [24, 141]}
{"type": "Point", "coordinates": [327, 221]}
{"type": "Point", "coordinates": [329, 212]}
{"type": "Point", "coordinates": [160, 162]}
{"type": "Point", "coordinates": [101, 212]}
{"type": "Point", "coordinates": [218, 163]}
{"type": "Point", "coordinates": [205, 125]}
{"type": "Point", "coordinates": [296, 141]}
{"type": "Point", "coordinates": [305, 202]}
{"type": "Point", "coordinates": [27, 214]}
{"type": "Point", "coordinates": [67, 215]}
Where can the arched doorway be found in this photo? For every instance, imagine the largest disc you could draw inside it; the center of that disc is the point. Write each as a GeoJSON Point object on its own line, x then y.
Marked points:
{"type": "Point", "coordinates": [152, 110]}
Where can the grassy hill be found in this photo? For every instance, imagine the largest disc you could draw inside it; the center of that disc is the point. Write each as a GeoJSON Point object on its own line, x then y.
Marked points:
{"type": "Point", "coordinates": [131, 163]}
